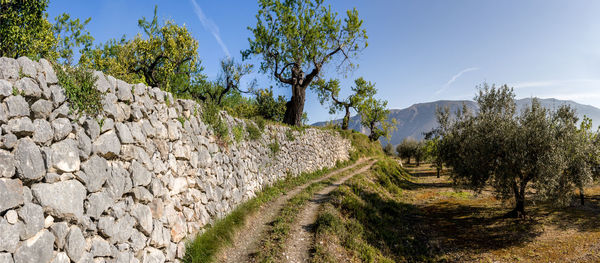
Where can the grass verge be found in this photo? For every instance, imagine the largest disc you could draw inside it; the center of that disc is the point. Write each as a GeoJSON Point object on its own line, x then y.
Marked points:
{"type": "Point", "coordinates": [364, 220]}
{"type": "Point", "coordinates": [273, 243]}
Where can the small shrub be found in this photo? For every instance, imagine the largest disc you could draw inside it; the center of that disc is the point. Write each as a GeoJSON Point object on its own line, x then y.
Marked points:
{"type": "Point", "coordinates": [78, 83]}
{"type": "Point", "coordinates": [274, 146]}
{"type": "Point", "coordinates": [261, 123]}
{"type": "Point", "coordinates": [238, 133]}
{"type": "Point", "coordinates": [268, 106]}
{"type": "Point", "coordinates": [211, 116]}
{"type": "Point", "coordinates": [254, 133]}
{"type": "Point", "coordinates": [289, 134]}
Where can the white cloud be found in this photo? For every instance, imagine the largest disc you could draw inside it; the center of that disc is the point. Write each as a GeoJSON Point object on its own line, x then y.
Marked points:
{"type": "Point", "coordinates": [454, 78]}
{"type": "Point", "coordinates": [567, 83]}
{"type": "Point", "coordinates": [582, 90]}
{"type": "Point", "coordinates": [210, 26]}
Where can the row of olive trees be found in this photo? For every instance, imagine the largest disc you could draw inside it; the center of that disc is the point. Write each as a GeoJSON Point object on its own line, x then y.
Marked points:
{"type": "Point", "coordinates": [536, 153]}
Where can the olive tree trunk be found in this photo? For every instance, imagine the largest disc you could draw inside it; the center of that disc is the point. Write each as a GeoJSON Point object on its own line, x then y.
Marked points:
{"type": "Point", "coordinates": [295, 107]}
{"type": "Point", "coordinates": [519, 210]}
{"type": "Point", "coordinates": [346, 119]}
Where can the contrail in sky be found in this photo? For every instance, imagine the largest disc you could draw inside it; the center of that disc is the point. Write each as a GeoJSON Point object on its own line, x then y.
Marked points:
{"type": "Point", "coordinates": [453, 79]}
{"type": "Point", "coordinates": [210, 26]}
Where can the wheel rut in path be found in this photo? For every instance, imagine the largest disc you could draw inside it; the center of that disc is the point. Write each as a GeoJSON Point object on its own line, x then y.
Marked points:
{"type": "Point", "coordinates": [301, 237]}
{"type": "Point", "coordinates": [246, 241]}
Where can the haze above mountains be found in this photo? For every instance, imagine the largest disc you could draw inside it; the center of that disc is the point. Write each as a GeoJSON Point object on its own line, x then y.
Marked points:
{"type": "Point", "coordinates": [419, 118]}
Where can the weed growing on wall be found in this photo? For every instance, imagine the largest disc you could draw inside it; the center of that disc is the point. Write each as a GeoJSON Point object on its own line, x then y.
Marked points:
{"type": "Point", "coordinates": [289, 134]}
{"type": "Point", "coordinates": [274, 146]}
{"type": "Point", "coordinates": [254, 133]}
{"type": "Point", "coordinates": [238, 133]}
{"type": "Point", "coordinates": [78, 83]}
{"type": "Point", "coordinates": [211, 116]}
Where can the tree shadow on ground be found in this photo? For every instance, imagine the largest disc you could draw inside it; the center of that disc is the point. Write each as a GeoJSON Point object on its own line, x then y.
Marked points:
{"type": "Point", "coordinates": [407, 232]}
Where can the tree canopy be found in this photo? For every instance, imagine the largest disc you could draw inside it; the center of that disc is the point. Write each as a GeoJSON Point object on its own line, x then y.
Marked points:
{"type": "Point", "coordinates": [166, 56]}
{"type": "Point", "coordinates": [512, 152]}
{"type": "Point", "coordinates": [297, 38]}
{"type": "Point", "coordinates": [25, 30]}
{"type": "Point", "coordinates": [373, 115]}
{"type": "Point", "coordinates": [329, 92]}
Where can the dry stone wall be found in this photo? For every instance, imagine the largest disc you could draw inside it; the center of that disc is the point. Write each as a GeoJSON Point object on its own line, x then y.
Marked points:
{"type": "Point", "coordinates": [132, 185]}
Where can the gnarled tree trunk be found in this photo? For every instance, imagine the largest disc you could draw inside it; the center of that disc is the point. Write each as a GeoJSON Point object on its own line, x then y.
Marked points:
{"type": "Point", "coordinates": [295, 107]}
{"type": "Point", "coordinates": [346, 119]}
{"type": "Point", "coordinates": [519, 210]}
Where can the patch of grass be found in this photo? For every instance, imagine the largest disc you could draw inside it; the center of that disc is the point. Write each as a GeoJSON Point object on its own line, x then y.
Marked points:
{"type": "Point", "coordinates": [79, 83]}
{"type": "Point", "coordinates": [254, 133]}
{"type": "Point", "coordinates": [360, 142]}
{"type": "Point", "coordinates": [274, 147]}
{"type": "Point", "coordinates": [181, 119]}
{"type": "Point", "coordinates": [289, 135]}
{"type": "Point", "coordinates": [369, 223]}
{"type": "Point", "coordinates": [457, 195]}
{"type": "Point", "coordinates": [238, 133]}
{"type": "Point", "coordinates": [261, 123]}
{"type": "Point", "coordinates": [273, 244]}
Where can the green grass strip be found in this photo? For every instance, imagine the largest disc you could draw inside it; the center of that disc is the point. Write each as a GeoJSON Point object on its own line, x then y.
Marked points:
{"type": "Point", "coordinates": [272, 245]}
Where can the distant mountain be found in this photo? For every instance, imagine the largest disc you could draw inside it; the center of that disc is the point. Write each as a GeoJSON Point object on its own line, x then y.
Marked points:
{"type": "Point", "coordinates": [420, 118]}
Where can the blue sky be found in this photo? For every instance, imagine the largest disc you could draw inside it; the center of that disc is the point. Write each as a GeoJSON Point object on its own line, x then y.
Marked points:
{"type": "Point", "coordinates": [419, 51]}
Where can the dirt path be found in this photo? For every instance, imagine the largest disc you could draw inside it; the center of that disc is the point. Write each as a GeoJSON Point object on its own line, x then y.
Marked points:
{"type": "Point", "coordinates": [246, 241]}
{"type": "Point", "coordinates": [300, 241]}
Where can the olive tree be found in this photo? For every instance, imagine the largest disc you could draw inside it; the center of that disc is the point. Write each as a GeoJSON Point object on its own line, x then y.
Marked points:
{"type": "Point", "coordinates": [373, 114]}
{"type": "Point", "coordinates": [405, 149]}
{"type": "Point", "coordinates": [227, 83]}
{"type": "Point", "coordinates": [166, 56]}
{"type": "Point", "coordinates": [580, 151]}
{"type": "Point", "coordinates": [508, 151]}
{"type": "Point", "coordinates": [362, 90]}
{"type": "Point", "coordinates": [297, 39]}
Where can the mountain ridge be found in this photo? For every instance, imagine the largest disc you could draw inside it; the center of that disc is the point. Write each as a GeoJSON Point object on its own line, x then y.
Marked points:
{"type": "Point", "coordinates": [418, 118]}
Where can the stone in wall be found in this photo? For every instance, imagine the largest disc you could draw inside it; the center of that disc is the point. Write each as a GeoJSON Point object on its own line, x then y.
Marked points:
{"type": "Point", "coordinates": [130, 185]}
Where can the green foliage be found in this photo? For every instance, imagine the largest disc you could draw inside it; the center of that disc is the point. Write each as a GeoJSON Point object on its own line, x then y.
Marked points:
{"type": "Point", "coordinates": [25, 30]}
{"type": "Point", "coordinates": [297, 38]}
{"type": "Point", "coordinates": [254, 133]}
{"type": "Point", "coordinates": [71, 33]}
{"type": "Point", "coordinates": [514, 152]}
{"type": "Point", "coordinates": [361, 144]}
{"type": "Point", "coordinates": [289, 134]}
{"type": "Point", "coordinates": [166, 56]}
{"type": "Point", "coordinates": [330, 91]}
{"type": "Point", "coordinates": [181, 120]}
{"type": "Point", "coordinates": [274, 147]}
{"type": "Point", "coordinates": [373, 115]}
{"type": "Point", "coordinates": [365, 216]}
{"type": "Point", "coordinates": [261, 123]}
{"type": "Point", "coordinates": [410, 148]}
{"type": "Point", "coordinates": [268, 107]}
{"type": "Point", "coordinates": [225, 86]}
{"type": "Point", "coordinates": [389, 149]}
{"type": "Point", "coordinates": [78, 83]}
{"type": "Point", "coordinates": [211, 115]}
{"type": "Point", "coordinates": [238, 133]}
